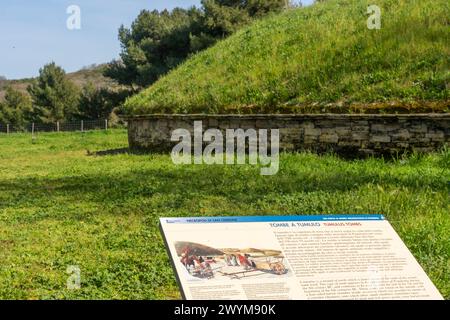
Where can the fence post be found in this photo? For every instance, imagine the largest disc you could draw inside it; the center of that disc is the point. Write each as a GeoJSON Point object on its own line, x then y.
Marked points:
{"type": "Point", "coordinates": [106, 124]}
{"type": "Point", "coordinates": [7, 129]}
{"type": "Point", "coordinates": [82, 126]}
{"type": "Point", "coordinates": [57, 126]}
{"type": "Point", "coordinates": [32, 130]}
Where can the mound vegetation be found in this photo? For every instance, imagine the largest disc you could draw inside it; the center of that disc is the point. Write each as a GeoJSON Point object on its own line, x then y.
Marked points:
{"type": "Point", "coordinates": [321, 58]}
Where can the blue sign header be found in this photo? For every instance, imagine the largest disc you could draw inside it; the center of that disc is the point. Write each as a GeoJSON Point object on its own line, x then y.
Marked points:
{"type": "Point", "coordinates": [198, 220]}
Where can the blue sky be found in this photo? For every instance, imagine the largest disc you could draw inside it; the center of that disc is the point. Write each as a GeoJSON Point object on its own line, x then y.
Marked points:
{"type": "Point", "coordinates": [34, 32]}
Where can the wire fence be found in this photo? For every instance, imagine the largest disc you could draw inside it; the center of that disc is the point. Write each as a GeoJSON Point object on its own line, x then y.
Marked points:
{"type": "Point", "coordinates": [71, 126]}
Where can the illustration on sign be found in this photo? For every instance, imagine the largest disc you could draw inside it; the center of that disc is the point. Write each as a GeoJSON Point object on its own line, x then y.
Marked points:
{"type": "Point", "coordinates": [205, 262]}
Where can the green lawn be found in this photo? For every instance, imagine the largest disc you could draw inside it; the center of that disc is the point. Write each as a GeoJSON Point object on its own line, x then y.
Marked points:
{"type": "Point", "coordinates": [61, 206]}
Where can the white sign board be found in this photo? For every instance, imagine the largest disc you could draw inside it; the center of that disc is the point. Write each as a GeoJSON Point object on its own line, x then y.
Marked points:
{"type": "Point", "coordinates": [293, 257]}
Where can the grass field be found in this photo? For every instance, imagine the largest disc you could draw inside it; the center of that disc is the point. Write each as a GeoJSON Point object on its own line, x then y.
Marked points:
{"type": "Point", "coordinates": [60, 205]}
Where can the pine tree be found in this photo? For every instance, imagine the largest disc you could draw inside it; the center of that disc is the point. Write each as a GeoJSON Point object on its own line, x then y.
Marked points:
{"type": "Point", "coordinates": [16, 109]}
{"type": "Point", "coordinates": [55, 98]}
{"type": "Point", "coordinates": [157, 42]}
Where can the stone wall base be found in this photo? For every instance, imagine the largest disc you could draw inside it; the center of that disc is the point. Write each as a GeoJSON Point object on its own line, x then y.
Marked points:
{"type": "Point", "coordinates": [346, 134]}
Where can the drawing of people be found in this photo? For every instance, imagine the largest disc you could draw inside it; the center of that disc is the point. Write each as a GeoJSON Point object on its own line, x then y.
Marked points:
{"type": "Point", "coordinates": [234, 260]}
{"type": "Point", "coordinates": [243, 261]}
{"type": "Point", "coordinates": [251, 261]}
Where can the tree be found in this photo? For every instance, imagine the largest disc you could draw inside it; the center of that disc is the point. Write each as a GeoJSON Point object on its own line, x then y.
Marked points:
{"type": "Point", "coordinates": [16, 109]}
{"type": "Point", "coordinates": [55, 98]}
{"type": "Point", "coordinates": [159, 41]}
{"type": "Point", "coordinates": [224, 17]}
{"type": "Point", "coordinates": [156, 43]}
{"type": "Point", "coordinates": [99, 103]}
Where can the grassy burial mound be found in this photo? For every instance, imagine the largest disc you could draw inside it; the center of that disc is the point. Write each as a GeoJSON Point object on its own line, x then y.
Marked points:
{"type": "Point", "coordinates": [321, 58]}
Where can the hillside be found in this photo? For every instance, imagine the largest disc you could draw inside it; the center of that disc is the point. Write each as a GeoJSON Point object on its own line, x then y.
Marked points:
{"type": "Point", "coordinates": [92, 74]}
{"type": "Point", "coordinates": [321, 58]}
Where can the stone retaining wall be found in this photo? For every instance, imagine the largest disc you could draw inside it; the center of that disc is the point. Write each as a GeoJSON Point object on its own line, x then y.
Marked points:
{"type": "Point", "coordinates": [351, 134]}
